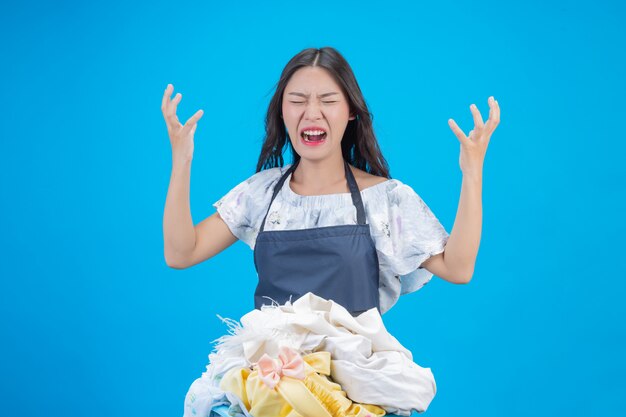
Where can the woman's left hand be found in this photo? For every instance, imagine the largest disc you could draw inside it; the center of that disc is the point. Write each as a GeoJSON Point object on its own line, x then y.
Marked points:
{"type": "Point", "coordinates": [474, 146]}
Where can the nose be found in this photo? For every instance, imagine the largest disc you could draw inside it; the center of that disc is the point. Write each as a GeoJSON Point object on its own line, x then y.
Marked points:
{"type": "Point", "coordinates": [312, 111]}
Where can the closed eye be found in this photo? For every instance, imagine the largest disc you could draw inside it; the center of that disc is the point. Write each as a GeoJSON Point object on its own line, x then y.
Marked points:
{"type": "Point", "coordinates": [302, 102]}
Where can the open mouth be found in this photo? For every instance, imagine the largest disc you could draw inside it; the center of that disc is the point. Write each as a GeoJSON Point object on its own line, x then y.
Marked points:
{"type": "Point", "coordinates": [313, 136]}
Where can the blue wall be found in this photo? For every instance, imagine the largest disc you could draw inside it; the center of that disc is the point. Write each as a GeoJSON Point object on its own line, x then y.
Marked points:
{"type": "Point", "coordinates": [94, 323]}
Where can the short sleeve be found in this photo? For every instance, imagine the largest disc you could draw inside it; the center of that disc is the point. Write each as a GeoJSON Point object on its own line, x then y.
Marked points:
{"type": "Point", "coordinates": [244, 207]}
{"type": "Point", "coordinates": [412, 235]}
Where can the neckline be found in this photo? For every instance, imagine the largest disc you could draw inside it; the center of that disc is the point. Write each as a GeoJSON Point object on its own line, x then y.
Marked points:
{"type": "Point", "coordinates": [292, 193]}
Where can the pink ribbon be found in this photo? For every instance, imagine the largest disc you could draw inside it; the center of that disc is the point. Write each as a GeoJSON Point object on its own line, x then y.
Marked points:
{"type": "Point", "coordinates": [289, 363]}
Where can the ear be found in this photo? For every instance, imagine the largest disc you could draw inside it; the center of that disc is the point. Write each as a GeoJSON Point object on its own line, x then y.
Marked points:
{"type": "Point", "coordinates": [352, 117]}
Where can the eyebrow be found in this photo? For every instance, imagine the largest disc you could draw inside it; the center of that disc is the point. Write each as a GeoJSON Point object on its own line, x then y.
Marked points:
{"type": "Point", "coordinates": [307, 95]}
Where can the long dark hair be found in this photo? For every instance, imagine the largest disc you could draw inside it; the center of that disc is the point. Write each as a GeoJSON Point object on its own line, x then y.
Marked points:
{"type": "Point", "coordinates": [358, 145]}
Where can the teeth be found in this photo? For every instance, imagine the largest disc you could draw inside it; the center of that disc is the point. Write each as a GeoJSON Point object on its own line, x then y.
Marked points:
{"type": "Point", "coordinates": [306, 137]}
{"type": "Point", "coordinates": [306, 134]}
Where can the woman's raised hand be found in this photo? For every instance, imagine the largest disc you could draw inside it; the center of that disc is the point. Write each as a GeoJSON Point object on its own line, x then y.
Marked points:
{"type": "Point", "coordinates": [474, 146]}
{"type": "Point", "coordinates": [181, 136]}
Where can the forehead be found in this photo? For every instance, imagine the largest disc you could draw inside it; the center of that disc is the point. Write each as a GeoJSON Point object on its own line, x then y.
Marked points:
{"type": "Point", "coordinates": [312, 80]}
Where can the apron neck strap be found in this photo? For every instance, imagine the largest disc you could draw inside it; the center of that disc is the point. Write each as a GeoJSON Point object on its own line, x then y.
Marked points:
{"type": "Point", "coordinates": [352, 185]}
{"type": "Point", "coordinates": [356, 195]}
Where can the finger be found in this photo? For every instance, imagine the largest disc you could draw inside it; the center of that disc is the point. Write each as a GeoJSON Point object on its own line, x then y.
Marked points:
{"type": "Point", "coordinates": [171, 110]}
{"type": "Point", "coordinates": [166, 97]}
{"type": "Point", "coordinates": [478, 119]}
{"type": "Point", "coordinates": [457, 131]}
{"type": "Point", "coordinates": [194, 119]}
{"type": "Point", "coordinates": [172, 106]}
{"type": "Point", "coordinates": [494, 115]}
{"type": "Point", "coordinates": [497, 112]}
{"type": "Point", "coordinates": [192, 122]}
{"type": "Point", "coordinates": [165, 102]}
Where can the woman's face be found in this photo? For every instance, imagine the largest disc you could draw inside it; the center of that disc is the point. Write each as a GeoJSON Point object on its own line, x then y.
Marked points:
{"type": "Point", "coordinates": [314, 103]}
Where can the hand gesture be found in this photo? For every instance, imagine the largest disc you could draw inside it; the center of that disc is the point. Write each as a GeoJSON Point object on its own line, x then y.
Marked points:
{"type": "Point", "coordinates": [474, 146]}
{"type": "Point", "coordinates": [181, 136]}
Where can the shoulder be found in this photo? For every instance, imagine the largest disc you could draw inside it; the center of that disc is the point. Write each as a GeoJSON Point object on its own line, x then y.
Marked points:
{"type": "Point", "coordinates": [267, 175]}
{"type": "Point", "coordinates": [255, 188]}
{"type": "Point", "coordinates": [394, 189]}
{"type": "Point", "coordinates": [259, 183]}
{"type": "Point", "coordinates": [365, 179]}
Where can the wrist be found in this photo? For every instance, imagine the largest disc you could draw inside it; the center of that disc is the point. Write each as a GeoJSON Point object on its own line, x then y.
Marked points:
{"type": "Point", "coordinates": [181, 164]}
{"type": "Point", "coordinates": [474, 177]}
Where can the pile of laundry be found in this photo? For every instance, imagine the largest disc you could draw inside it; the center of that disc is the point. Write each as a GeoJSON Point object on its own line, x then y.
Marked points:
{"type": "Point", "coordinates": [309, 358]}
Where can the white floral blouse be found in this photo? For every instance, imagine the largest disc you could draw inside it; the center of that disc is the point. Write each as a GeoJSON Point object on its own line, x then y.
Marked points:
{"type": "Point", "coordinates": [404, 230]}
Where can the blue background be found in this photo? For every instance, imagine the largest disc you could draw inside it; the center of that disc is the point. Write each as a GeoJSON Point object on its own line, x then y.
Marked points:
{"type": "Point", "coordinates": [94, 323]}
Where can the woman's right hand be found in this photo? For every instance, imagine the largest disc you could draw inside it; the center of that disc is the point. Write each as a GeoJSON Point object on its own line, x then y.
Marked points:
{"type": "Point", "coordinates": [181, 136]}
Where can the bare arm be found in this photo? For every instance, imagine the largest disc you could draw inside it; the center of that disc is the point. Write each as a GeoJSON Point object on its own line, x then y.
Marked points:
{"type": "Point", "coordinates": [179, 236]}
{"type": "Point", "coordinates": [456, 263]}
{"type": "Point", "coordinates": [184, 244]}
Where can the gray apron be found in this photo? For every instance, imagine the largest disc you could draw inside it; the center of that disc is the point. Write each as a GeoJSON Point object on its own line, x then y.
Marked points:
{"type": "Point", "coordinates": [334, 262]}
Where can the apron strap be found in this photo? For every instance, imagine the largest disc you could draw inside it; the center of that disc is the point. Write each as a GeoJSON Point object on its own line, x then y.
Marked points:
{"type": "Point", "coordinates": [356, 195]}
{"type": "Point", "coordinates": [352, 185]}
{"type": "Point", "coordinates": [277, 188]}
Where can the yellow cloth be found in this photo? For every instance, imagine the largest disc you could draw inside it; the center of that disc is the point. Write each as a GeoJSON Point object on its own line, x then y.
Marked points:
{"type": "Point", "coordinates": [315, 396]}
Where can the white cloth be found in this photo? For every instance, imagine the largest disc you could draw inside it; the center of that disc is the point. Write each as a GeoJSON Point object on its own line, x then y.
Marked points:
{"type": "Point", "coordinates": [404, 229]}
{"type": "Point", "coordinates": [371, 366]}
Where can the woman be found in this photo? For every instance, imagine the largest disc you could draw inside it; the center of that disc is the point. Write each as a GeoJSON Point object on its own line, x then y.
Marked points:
{"type": "Point", "coordinates": [335, 240]}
